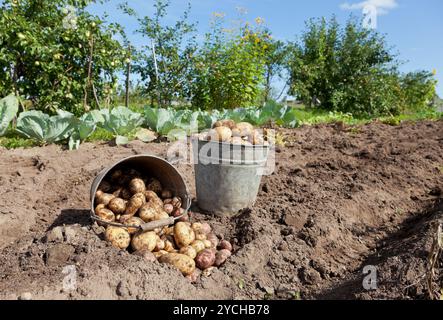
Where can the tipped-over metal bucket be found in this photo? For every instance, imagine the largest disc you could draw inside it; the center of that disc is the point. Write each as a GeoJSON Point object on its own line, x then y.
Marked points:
{"type": "Point", "coordinates": [151, 166]}
{"type": "Point", "coordinates": [227, 176]}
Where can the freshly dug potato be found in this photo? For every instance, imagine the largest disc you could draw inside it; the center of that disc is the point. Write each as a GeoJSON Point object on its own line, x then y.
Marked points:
{"type": "Point", "coordinates": [168, 208]}
{"type": "Point", "coordinates": [204, 136]}
{"type": "Point", "coordinates": [118, 237]}
{"type": "Point", "coordinates": [193, 277]}
{"type": "Point", "coordinates": [167, 201]}
{"type": "Point", "coordinates": [245, 128]}
{"type": "Point", "coordinates": [224, 244]}
{"type": "Point", "coordinates": [137, 185]}
{"type": "Point", "coordinates": [103, 198]}
{"type": "Point", "coordinates": [237, 141]}
{"type": "Point", "coordinates": [213, 239]}
{"type": "Point", "coordinates": [160, 245]}
{"type": "Point", "coordinates": [220, 134]}
{"type": "Point", "coordinates": [135, 203]}
{"type": "Point", "coordinates": [151, 196]}
{"type": "Point", "coordinates": [144, 240]}
{"type": "Point", "coordinates": [105, 186]}
{"type": "Point", "coordinates": [106, 214]}
{"type": "Point", "coordinates": [207, 272]}
{"type": "Point", "coordinates": [99, 207]}
{"type": "Point", "coordinates": [117, 205]}
{"type": "Point", "coordinates": [169, 245]}
{"type": "Point", "coordinates": [181, 261]}
{"type": "Point", "coordinates": [189, 251]}
{"type": "Point", "coordinates": [148, 212]}
{"type": "Point", "coordinates": [201, 228]}
{"type": "Point", "coordinates": [205, 259]}
{"type": "Point", "coordinates": [225, 123]}
{"type": "Point", "coordinates": [166, 194]}
{"type": "Point", "coordinates": [198, 245]}
{"type": "Point", "coordinates": [221, 257]}
{"type": "Point", "coordinates": [160, 215]}
{"type": "Point", "coordinates": [154, 185]}
{"type": "Point", "coordinates": [158, 254]}
{"type": "Point", "coordinates": [208, 244]}
{"type": "Point", "coordinates": [134, 221]}
{"type": "Point", "coordinates": [200, 236]}
{"type": "Point", "coordinates": [177, 202]}
{"type": "Point", "coordinates": [116, 175]}
{"type": "Point", "coordinates": [168, 231]}
{"type": "Point", "coordinates": [256, 138]}
{"type": "Point", "coordinates": [146, 254]}
{"type": "Point", "coordinates": [183, 234]}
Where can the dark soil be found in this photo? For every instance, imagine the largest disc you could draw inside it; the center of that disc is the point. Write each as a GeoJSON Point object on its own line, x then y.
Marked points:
{"type": "Point", "coordinates": [340, 199]}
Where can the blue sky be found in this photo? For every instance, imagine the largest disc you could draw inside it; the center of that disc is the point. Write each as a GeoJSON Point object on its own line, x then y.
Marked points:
{"type": "Point", "coordinates": [413, 27]}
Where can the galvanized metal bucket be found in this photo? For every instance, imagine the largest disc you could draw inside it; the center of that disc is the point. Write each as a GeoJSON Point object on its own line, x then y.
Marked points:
{"type": "Point", "coordinates": [151, 166]}
{"type": "Point", "coordinates": [227, 176]}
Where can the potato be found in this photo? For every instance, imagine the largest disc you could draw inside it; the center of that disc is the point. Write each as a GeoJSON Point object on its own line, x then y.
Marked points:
{"type": "Point", "coordinates": [236, 133]}
{"type": "Point", "coordinates": [183, 234]}
{"type": "Point", "coordinates": [146, 254]}
{"type": "Point", "coordinates": [225, 123]}
{"type": "Point", "coordinates": [198, 245]}
{"type": "Point", "coordinates": [158, 254]}
{"type": "Point", "coordinates": [148, 212]}
{"type": "Point", "coordinates": [168, 208]}
{"type": "Point", "coordinates": [204, 136]}
{"type": "Point", "coordinates": [135, 203]}
{"type": "Point", "coordinates": [168, 231]}
{"type": "Point", "coordinates": [160, 245]}
{"type": "Point", "coordinates": [116, 175]}
{"type": "Point", "coordinates": [154, 185]}
{"type": "Point", "coordinates": [221, 134]}
{"type": "Point", "coordinates": [205, 259]}
{"type": "Point", "coordinates": [151, 196]}
{"type": "Point", "coordinates": [208, 244]}
{"type": "Point", "coordinates": [181, 261]}
{"type": "Point", "coordinates": [224, 244]}
{"type": "Point", "coordinates": [169, 245]}
{"type": "Point", "coordinates": [213, 239]}
{"type": "Point", "coordinates": [103, 198]}
{"type": "Point", "coordinates": [207, 272]}
{"type": "Point", "coordinates": [166, 194]}
{"type": "Point", "coordinates": [256, 138]}
{"type": "Point", "coordinates": [99, 207]}
{"type": "Point", "coordinates": [221, 256]}
{"type": "Point", "coordinates": [201, 228]}
{"type": "Point", "coordinates": [177, 202]}
{"type": "Point", "coordinates": [105, 186]}
{"type": "Point", "coordinates": [236, 141]}
{"type": "Point", "coordinates": [189, 251]}
{"type": "Point", "coordinates": [160, 215]}
{"type": "Point", "coordinates": [144, 240]}
{"type": "Point", "coordinates": [245, 128]}
{"type": "Point", "coordinates": [200, 236]}
{"type": "Point", "coordinates": [117, 192]}
{"type": "Point", "coordinates": [106, 214]}
{"type": "Point", "coordinates": [137, 185]}
{"type": "Point", "coordinates": [167, 201]}
{"type": "Point", "coordinates": [134, 221]}
{"type": "Point", "coordinates": [117, 205]}
{"type": "Point", "coordinates": [118, 237]}
{"type": "Point", "coordinates": [193, 277]}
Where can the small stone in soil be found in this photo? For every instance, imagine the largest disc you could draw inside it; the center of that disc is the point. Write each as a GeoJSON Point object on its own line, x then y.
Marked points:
{"type": "Point", "coordinates": [54, 235]}
{"type": "Point", "coordinates": [25, 296]}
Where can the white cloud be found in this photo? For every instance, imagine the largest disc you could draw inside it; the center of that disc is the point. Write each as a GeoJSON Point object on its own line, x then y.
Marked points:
{"type": "Point", "coordinates": [382, 6]}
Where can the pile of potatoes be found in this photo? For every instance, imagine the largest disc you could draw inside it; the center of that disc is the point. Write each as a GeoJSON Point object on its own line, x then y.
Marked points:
{"type": "Point", "coordinates": [242, 133]}
{"type": "Point", "coordinates": [131, 199]}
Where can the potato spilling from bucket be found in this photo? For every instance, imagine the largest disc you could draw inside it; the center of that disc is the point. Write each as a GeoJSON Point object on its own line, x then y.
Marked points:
{"type": "Point", "coordinates": [242, 133]}
{"type": "Point", "coordinates": [127, 199]}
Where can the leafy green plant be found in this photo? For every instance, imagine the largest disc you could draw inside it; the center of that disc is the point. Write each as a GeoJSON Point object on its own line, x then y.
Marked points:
{"type": "Point", "coordinates": [45, 129]}
{"type": "Point", "coordinates": [8, 110]}
{"type": "Point", "coordinates": [84, 127]}
{"type": "Point", "coordinates": [121, 122]}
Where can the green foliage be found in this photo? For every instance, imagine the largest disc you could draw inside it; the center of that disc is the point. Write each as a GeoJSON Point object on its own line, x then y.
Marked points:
{"type": "Point", "coordinates": [229, 68]}
{"type": "Point", "coordinates": [43, 128]}
{"type": "Point", "coordinates": [8, 110]}
{"type": "Point", "coordinates": [164, 62]}
{"type": "Point", "coordinates": [121, 122]}
{"type": "Point", "coordinates": [352, 70]}
{"type": "Point", "coordinates": [84, 127]}
{"type": "Point", "coordinates": [417, 90]}
{"type": "Point", "coordinates": [45, 50]}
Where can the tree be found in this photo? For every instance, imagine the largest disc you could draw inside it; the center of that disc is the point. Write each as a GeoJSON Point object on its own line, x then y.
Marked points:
{"type": "Point", "coordinates": [56, 55]}
{"type": "Point", "coordinates": [229, 67]}
{"type": "Point", "coordinates": [165, 61]}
